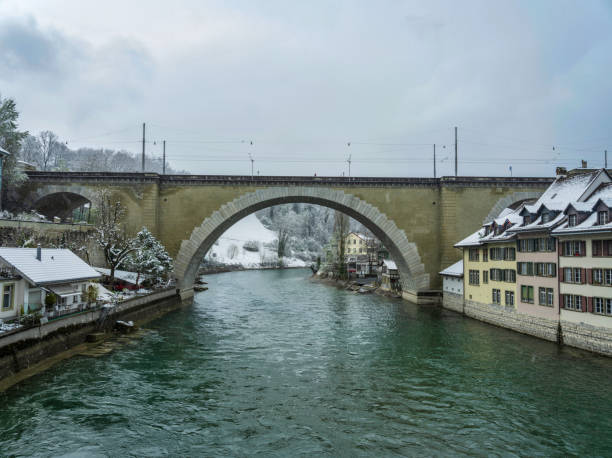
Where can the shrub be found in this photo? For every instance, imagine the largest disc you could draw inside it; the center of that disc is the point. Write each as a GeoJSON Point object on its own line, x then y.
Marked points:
{"type": "Point", "coordinates": [50, 300]}
{"type": "Point", "coordinates": [251, 245]}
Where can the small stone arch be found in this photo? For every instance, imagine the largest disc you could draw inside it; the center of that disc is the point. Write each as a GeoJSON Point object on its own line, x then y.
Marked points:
{"type": "Point", "coordinates": [509, 200]}
{"type": "Point", "coordinates": [405, 253]}
{"type": "Point", "coordinates": [63, 198]}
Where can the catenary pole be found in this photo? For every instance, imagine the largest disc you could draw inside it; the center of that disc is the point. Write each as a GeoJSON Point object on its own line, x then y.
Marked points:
{"type": "Point", "coordinates": [143, 147]}
{"type": "Point", "coordinates": [434, 161]}
{"type": "Point", "coordinates": [455, 150]}
{"type": "Point", "coordinates": [606, 158]}
{"type": "Point", "coordinates": [164, 159]}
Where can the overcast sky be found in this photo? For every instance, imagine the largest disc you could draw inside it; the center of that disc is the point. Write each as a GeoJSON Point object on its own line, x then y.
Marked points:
{"type": "Point", "coordinates": [303, 79]}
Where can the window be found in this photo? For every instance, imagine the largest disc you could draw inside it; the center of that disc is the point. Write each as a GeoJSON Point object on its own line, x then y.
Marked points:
{"type": "Point", "coordinates": [75, 299]}
{"type": "Point", "coordinates": [509, 254]}
{"type": "Point", "coordinates": [496, 274]}
{"type": "Point", "coordinates": [7, 297]}
{"type": "Point", "coordinates": [602, 247]}
{"type": "Point", "coordinates": [526, 220]}
{"type": "Point", "coordinates": [485, 276]}
{"type": "Point", "coordinates": [474, 254]}
{"type": "Point", "coordinates": [608, 306]}
{"type": "Point", "coordinates": [550, 295]}
{"type": "Point", "coordinates": [525, 268]}
{"type": "Point", "coordinates": [474, 277]}
{"type": "Point", "coordinates": [602, 217]}
{"type": "Point", "coordinates": [571, 220]}
{"type": "Point", "coordinates": [546, 296]}
{"type": "Point", "coordinates": [522, 245]}
{"type": "Point", "coordinates": [572, 302]}
{"type": "Point", "coordinates": [577, 275]}
{"type": "Point", "coordinates": [573, 248]}
{"type": "Point", "coordinates": [531, 245]}
{"type": "Point", "coordinates": [546, 217]}
{"type": "Point", "coordinates": [608, 276]}
{"type": "Point", "coordinates": [546, 244]}
{"type": "Point", "coordinates": [527, 294]}
{"type": "Point", "coordinates": [546, 269]}
{"type": "Point", "coordinates": [573, 275]}
{"type": "Point", "coordinates": [509, 298]}
{"type": "Point", "coordinates": [485, 255]}
{"type": "Point", "coordinates": [598, 305]}
{"type": "Point", "coordinates": [496, 296]}
{"type": "Point", "coordinates": [510, 275]}
{"type": "Point", "coordinates": [597, 276]}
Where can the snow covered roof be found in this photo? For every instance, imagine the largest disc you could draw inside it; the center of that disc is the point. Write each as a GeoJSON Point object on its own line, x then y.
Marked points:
{"type": "Point", "coordinates": [455, 270]}
{"type": "Point", "coordinates": [4, 152]}
{"type": "Point", "coordinates": [129, 277]}
{"type": "Point", "coordinates": [571, 187]}
{"type": "Point", "coordinates": [471, 240]}
{"type": "Point", "coordinates": [390, 264]}
{"type": "Point", "coordinates": [538, 225]}
{"type": "Point", "coordinates": [57, 265]}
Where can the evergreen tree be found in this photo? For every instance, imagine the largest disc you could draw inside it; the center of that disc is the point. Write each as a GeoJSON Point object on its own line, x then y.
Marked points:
{"type": "Point", "coordinates": [149, 258]}
{"type": "Point", "coordinates": [10, 140]}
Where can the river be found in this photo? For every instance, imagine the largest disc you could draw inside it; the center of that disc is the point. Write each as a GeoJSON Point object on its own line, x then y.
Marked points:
{"type": "Point", "coordinates": [269, 363]}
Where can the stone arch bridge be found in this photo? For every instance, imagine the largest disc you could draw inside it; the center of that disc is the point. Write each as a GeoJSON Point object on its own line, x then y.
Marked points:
{"type": "Point", "coordinates": [418, 219]}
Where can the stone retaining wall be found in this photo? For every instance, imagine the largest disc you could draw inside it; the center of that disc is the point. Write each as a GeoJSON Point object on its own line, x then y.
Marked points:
{"type": "Point", "coordinates": [453, 302]}
{"type": "Point", "coordinates": [587, 337]}
{"type": "Point", "coordinates": [579, 335]}
{"type": "Point", "coordinates": [22, 349]}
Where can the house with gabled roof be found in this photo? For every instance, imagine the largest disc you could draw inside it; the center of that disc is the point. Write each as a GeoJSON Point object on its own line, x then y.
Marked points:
{"type": "Point", "coordinates": [28, 275]}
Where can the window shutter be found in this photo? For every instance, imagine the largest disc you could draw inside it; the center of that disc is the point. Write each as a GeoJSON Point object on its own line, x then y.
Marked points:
{"type": "Point", "coordinates": [590, 276]}
{"type": "Point", "coordinates": [584, 304]}
{"type": "Point", "coordinates": [590, 304]}
{"type": "Point", "coordinates": [582, 248]}
{"type": "Point", "coordinates": [583, 275]}
{"type": "Point", "coordinates": [605, 248]}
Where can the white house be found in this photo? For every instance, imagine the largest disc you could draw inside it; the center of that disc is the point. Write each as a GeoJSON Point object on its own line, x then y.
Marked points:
{"type": "Point", "coordinates": [28, 275]}
{"type": "Point", "coordinates": [452, 286]}
{"type": "Point", "coordinates": [452, 278]}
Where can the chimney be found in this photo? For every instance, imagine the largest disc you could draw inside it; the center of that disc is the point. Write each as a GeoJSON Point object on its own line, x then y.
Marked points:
{"type": "Point", "coordinates": [584, 164]}
{"type": "Point", "coordinates": [39, 253]}
{"type": "Point", "coordinates": [561, 171]}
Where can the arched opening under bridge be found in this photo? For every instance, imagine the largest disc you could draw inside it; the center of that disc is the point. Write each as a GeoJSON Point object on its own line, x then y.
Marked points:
{"type": "Point", "coordinates": [63, 205]}
{"type": "Point", "coordinates": [414, 279]}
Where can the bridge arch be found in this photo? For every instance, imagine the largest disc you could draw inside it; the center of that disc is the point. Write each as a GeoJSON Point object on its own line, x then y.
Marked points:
{"type": "Point", "coordinates": [405, 253]}
{"type": "Point", "coordinates": [59, 201]}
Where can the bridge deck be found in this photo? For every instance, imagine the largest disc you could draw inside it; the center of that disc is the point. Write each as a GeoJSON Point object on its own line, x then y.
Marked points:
{"type": "Point", "coordinates": [178, 180]}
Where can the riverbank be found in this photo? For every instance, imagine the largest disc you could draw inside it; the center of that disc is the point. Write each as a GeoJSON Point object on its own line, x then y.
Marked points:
{"type": "Point", "coordinates": [210, 270]}
{"type": "Point", "coordinates": [24, 353]}
{"type": "Point", "coordinates": [358, 286]}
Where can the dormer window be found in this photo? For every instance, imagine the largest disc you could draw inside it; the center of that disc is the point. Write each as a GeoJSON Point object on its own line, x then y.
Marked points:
{"type": "Point", "coordinates": [527, 219]}
{"type": "Point", "coordinates": [571, 221]}
{"type": "Point", "coordinates": [602, 217]}
{"type": "Point", "coordinates": [546, 217]}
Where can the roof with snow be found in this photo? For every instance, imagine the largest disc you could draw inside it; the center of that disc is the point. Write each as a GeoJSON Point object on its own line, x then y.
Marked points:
{"type": "Point", "coordinates": [471, 240]}
{"type": "Point", "coordinates": [390, 264]}
{"type": "Point", "coordinates": [455, 270]}
{"type": "Point", "coordinates": [4, 152]}
{"type": "Point", "coordinates": [57, 265]}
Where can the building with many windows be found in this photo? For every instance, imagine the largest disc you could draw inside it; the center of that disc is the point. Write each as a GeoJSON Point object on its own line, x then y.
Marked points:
{"type": "Point", "coordinates": [545, 268]}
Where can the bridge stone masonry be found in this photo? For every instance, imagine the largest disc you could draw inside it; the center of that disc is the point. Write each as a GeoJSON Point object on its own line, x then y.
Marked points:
{"type": "Point", "coordinates": [417, 219]}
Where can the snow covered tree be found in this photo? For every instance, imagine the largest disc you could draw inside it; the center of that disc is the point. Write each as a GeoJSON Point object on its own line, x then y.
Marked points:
{"type": "Point", "coordinates": [109, 233]}
{"type": "Point", "coordinates": [10, 140]}
{"type": "Point", "coordinates": [149, 258]}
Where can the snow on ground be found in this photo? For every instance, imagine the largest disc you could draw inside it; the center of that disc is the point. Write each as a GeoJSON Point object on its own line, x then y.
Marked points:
{"type": "Point", "coordinates": [229, 249]}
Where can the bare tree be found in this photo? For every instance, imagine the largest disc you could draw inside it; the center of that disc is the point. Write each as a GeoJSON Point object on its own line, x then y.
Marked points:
{"type": "Point", "coordinates": [109, 233]}
{"type": "Point", "coordinates": [341, 228]}
{"type": "Point", "coordinates": [281, 247]}
{"type": "Point", "coordinates": [48, 148]}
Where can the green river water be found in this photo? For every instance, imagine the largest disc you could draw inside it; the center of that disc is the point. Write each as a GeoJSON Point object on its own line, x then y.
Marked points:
{"type": "Point", "coordinates": [268, 363]}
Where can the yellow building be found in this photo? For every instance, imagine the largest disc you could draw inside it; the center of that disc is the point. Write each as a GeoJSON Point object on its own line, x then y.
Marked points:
{"type": "Point", "coordinates": [356, 243]}
{"type": "Point", "coordinates": [489, 261]}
